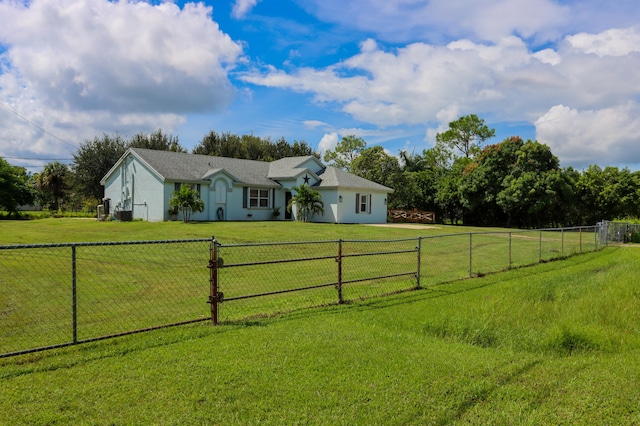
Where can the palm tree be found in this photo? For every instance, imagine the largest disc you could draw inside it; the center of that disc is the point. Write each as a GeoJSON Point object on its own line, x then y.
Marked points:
{"type": "Point", "coordinates": [53, 184]}
{"type": "Point", "coordinates": [187, 200]}
{"type": "Point", "coordinates": [308, 202]}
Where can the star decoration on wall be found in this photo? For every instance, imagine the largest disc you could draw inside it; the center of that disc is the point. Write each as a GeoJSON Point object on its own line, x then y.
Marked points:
{"type": "Point", "coordinates": [306, 179]}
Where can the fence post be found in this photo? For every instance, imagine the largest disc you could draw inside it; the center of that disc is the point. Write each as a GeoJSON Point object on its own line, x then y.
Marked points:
{"type": "Point", "coordinates": [595, 237]}
{"type": "Point", "coordinates": [419, 261]}
{"type": "Point", "coordinates": [213, 280]}
{"type": "Point", "coordinates": [339, 260]}
{"type": "Point", "coordinates": [74, 307]}
{"type": "Point", "coordinates": [540, 248]}
{"type": "Point", "coordinates": [470, 255]}
{"type": "Point", "coordinates": [581, 239]}
{"type": "Point", "coordinates": [562, 249]}
{"type": "Point", "coordinates": [510, 262]}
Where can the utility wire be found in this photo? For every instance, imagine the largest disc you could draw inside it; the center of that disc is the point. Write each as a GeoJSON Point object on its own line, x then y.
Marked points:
{"type": "Point", "coordinates": [36, 126]}
{"type": "Point", "coordinates": [40, 159]}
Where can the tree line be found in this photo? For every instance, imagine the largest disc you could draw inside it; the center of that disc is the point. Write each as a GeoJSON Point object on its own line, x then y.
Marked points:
{"type": "Point", "coordinates": [77, 186]}
{"type": "Point", "coordinates": [513, 183]}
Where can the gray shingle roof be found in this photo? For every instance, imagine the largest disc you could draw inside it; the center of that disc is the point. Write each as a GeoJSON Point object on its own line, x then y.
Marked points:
{"type": "Point", "coordinates": [183, 167]}
{"type": "Point", "coordinates": [287, 167]}
{"type": "Point", "coordinates": [333, 177]}
{"type": "Point", "coordinates": [178, 166]}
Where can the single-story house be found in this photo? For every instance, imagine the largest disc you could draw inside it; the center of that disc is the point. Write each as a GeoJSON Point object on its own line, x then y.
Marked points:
{"type": "Point", "coordinates": [142, 182]}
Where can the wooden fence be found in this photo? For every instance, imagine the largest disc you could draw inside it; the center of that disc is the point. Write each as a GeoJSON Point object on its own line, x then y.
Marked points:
{"type": "Point", "coordinates": [411, 216]}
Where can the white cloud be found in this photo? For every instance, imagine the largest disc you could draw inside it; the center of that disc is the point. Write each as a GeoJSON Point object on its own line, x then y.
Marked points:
{"type": "Point", "coordinates": [605, 136]}
{"type": "Point", "coordinates": [91, 66]}
{"type": "Point", "coordinates": [613, 42]}
{"type": "Point", "coordinates": [242, 7]}
{"type": "Point", "coordinates": [314, 124]}
{"type": "Point", "coordinates": [328, 142]}
{"type": "Point", "coordinates": [414, 84]}
{"type": "Point", "coordinates": [425, 84]}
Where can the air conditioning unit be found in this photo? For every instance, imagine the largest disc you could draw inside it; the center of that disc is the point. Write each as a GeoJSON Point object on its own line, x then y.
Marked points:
{"type": "Point", "coordinates": [124, 215]}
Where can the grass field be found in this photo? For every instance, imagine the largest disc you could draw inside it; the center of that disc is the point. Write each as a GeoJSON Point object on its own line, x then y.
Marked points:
{"type": "Point", "coordinates": [126, 287]}
{"type": "Point", "coordinates": [556, 343]}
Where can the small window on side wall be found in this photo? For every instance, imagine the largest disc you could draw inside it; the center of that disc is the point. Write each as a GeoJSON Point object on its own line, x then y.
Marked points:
{"type": "Point", "coordinates": [363, 203]}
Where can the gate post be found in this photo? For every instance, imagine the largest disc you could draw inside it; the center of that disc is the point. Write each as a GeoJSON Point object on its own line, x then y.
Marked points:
{"type": "Point", "coordinates": [510, 260]}
{"type": "Point", "coordinates": [339, 260]}
{"type": "Point", "coordinates": [74, 294]}
{"type": "Point", "coordinates": [213, 280]}
{"type": "Point", "coordinates": [470, 255]}
{"type": "Point", "coordinates": [419, 248]}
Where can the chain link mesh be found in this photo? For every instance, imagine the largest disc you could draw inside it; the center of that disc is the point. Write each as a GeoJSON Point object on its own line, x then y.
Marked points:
{"type": "Point", "coordinates": [55, 295]}
{"type": "Point", "coordinates": [52, 295]}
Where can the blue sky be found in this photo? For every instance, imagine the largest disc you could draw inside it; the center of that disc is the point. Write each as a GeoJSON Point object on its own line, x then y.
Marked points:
{"type": "Point", "coordinates": [394, 72]}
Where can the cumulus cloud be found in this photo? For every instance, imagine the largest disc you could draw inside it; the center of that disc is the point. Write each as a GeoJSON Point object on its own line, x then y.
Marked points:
{"type": "Point", "coordinates": [92, 63]}
{"type": "Point", "coordinates": [613, 42]}
{"type": "Point", "coordinates": [427, 83]}
{"type": "Point", "coordinates": [608, 134]}
{"type": "Point", "coordinates": [328, 141]}
{"type": "Point", "coordinates": [413, 84]}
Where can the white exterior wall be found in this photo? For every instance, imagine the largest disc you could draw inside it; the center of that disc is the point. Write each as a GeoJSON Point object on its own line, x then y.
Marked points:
{"type": "Point", "coordinates": [133, 187]}
{"type": "Point", "coordinates": [347, 208]}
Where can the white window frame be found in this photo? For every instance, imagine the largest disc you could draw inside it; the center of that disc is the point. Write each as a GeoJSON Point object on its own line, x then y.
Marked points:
{"type": "Point", "coordinates": [363, 203]}
{"type": "Point", "coordinates": [257, 201]}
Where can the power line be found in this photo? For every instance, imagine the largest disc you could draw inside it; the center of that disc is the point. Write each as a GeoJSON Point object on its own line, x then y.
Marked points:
{"type": "Point", "coordinates": [36, 158]}
{"type": "Point", "coordinates": [36, 126]}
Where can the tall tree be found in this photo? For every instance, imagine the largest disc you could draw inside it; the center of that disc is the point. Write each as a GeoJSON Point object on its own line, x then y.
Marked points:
{"type": "Point", "coordinates": [466, 134]}
{"type": "Point", "coordinates": [515, 183]}
{"type": "Point", "coordinates": [157, 140]}
{"type": "Point", "coordinates": [15, 189]}
{"type": "Point", "coordinates": [93, 160]}
{"type": "Point", "coordinates": [53, 184]}
{"type": "Point", "coordinates": [308, 202]}
{"type": "Point", "coordinates": [376, 165]}
{"type": "Point", "coordinates": [347, 150]}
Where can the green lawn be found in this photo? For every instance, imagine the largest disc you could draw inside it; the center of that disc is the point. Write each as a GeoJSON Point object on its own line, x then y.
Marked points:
{"type": "Point", "coordinates": [556, 343]}
{"type": "Point", "coordinates": [126, 287]}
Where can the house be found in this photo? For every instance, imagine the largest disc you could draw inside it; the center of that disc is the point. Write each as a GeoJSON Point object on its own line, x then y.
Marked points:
{"type": "Point", "coordinates": [142, 181]}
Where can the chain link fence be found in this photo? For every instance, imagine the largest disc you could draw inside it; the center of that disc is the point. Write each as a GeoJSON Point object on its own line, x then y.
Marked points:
{"type": "Point", "coordinates": [60, 294]}
{"type": "Point", "coordinates": [55, 295]}
{"type": "Point", "coordinates": [619, 232]}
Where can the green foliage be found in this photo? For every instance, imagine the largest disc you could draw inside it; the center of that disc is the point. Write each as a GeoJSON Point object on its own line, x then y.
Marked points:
{"type": "Point", "coordinates": [93, 159]}
{"type": "Point", "coordinates": [250, 147]}
{"type": "Point", "coordinates": [15, 188]}
{"type": "Point", "coordinates": [308, 202]}
{"type": "Point", "coordinates": [346, 151]}
{"type": "Point", "coordinates": [466, 134]}
{"type": "Point", "coordinates": [53, 185]}
{"type": "Point", "coordinates": [90, 205]}
{"type": "Point", "coordinates": [376, 165]}
{"type": "Point", "coordinates": [157, 140]}
{"type": "Point", "coordinates": [515, 183]}
{"type": "Point", "coordinates": [187, 200]}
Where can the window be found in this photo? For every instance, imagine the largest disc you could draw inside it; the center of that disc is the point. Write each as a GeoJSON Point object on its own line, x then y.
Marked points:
{"type": "Point", "coordinates": [197, 187]}
{"type": "Point", "coordinates": [363, 203]}
{"type": "Point", "coordinates": [259, 198]}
